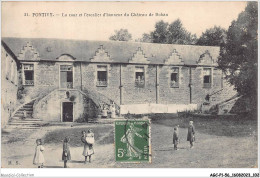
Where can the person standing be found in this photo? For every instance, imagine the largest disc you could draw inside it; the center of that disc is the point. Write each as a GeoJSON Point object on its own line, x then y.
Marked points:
{"type": "Point", "coordinates": [104, 111]}
{"type": "Point", "coordinates": [175, 138]}
{"type": "Point", "coordinates": [113, 110]}
{"type": "Point", "coordinates": [191, 134]}
{"type": "Point", "coordinates": [66, 151]}
{"type": "Point", "coordinates": [38, 156]}
{"type": "Point", "coordinates": [88, 140]}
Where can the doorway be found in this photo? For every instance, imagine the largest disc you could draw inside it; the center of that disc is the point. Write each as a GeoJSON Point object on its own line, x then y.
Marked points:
{"type": "Point", "coordinates": [66, 76]}
{"type": "Point", "coordinates": [67, 112]}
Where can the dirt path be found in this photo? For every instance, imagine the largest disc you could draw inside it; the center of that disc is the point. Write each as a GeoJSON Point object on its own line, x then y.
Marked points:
{"type": "Point", "coordinates": [209, 152]}
{"type": "Point", "coordinates": [23, 151]}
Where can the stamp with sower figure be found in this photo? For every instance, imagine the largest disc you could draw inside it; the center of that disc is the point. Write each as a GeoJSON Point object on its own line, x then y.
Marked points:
{"type": "Point", "coordinates": [133, 141]}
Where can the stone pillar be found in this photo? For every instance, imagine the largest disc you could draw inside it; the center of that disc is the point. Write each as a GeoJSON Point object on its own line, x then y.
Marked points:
{"type": "Point", "coordinates": [157, 85]}
{"type": "Point", "coordinates": [121, 86]}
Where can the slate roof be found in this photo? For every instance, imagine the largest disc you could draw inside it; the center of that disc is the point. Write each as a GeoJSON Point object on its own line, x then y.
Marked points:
{"type": "Point", "coordinates": [119, 52]}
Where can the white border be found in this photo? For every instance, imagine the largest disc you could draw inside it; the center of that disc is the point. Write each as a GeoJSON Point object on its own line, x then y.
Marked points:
{"type": "Point", "coordinates": [123, 172]}
{"type": "Point", "coordinates": [170, 172]}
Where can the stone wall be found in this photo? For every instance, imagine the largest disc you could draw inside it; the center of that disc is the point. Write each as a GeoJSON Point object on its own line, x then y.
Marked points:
{"type": "Point", "coordinates": [135, 95]}
{"type": "Point", "coordinates": [85, 78]}
{"type": "Point", "coordinates": [89, 80]}
{"type": "Point", "coordinates": [178, 95]}
{"type": "Point", "coordinates": [49, 108]}
{"type": "Point", "coordinates": [46, 79]}
{"type": "Point", "coordinates": [199, 92]}
{"type": "Point", "coordinates": [9, 86]}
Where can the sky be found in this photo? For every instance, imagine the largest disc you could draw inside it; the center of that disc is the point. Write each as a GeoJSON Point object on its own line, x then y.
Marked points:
{"type": "Point", "coordinates": [195, 16]}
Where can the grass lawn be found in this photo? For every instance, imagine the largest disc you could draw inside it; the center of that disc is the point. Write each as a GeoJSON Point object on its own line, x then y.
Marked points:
{"type": "Point", "coordinates": [103, 135]}
{"type": "Point", "coordinates": [218, 144]}
{"type": "Point", "coordinates": [229, 125]}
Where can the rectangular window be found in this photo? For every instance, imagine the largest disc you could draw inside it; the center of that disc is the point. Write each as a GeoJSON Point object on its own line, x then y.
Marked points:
{"type": "Point", "coordinates": [207, 78]}
{"type": "Point", "coordinates": [102, 76]}
{"type": "Point", "coordinates": [174, 77]}
{"type": "Point", "coordinates": [66, 76]}
{"type": "Point", "coordinates": [28, 70]}
{"type": "Point", "coordinates": [139, 77]}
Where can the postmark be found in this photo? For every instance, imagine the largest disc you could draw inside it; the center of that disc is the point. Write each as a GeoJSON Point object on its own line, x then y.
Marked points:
{"type": "Point", "coordinates": [133, 141]}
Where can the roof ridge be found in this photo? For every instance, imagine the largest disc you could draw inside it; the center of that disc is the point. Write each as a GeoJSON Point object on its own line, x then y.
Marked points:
{"type": "Point", "coordinates": [119, 51]}
{"type": "Point", "coordinates": [109, 41]}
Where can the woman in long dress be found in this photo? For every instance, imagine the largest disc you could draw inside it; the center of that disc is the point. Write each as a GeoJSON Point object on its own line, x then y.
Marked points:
{"type": "Point", "coordinates": [88, 140]}
{"type": "Point", "coordinates": [38, 156]}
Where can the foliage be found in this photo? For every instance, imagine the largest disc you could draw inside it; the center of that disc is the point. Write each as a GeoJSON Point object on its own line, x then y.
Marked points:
{"type": "Point", "coordinates": [159, 35]}
{"type": "Point", "coordinates": [173, 33]}
{"type": "Point", "coordinates": [238, 56]}
{"type": "Point", "coordinates": [213, 37]}
{"type": "Point", "coordinates": [121, 35]}
{"type": "Point", "coordinates": [145, 38]}
{"type": "Point", "coordinates": [177, 34]}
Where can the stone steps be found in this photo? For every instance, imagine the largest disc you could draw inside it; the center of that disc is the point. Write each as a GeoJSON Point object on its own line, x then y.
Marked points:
{"type": "Point", "coordinates": [11, 127]}
{"type": "Point", "coordinates": [28, 108]}
{"type": "Point", "coordinates": [19, 122]}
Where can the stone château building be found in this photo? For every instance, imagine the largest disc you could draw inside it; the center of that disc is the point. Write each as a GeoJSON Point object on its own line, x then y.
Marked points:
{"type": "Point", "coordinates": [67, 80]}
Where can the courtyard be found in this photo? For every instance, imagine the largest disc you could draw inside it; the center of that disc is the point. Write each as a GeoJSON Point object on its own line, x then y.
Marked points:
{"type": "Point", "coordinates": [226, 142]}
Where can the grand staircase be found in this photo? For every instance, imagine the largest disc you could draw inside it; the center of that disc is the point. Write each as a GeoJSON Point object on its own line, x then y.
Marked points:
{"type": "Point", "coordinates": [23, 117]}
{"type": "Point", "coordinates": [222, 101]}
{"type": "Point", "coordinates": [18, 121]}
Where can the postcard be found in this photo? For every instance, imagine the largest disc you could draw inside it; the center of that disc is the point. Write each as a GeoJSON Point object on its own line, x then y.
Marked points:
{"type": "Point", "coordinates": [129, 85]}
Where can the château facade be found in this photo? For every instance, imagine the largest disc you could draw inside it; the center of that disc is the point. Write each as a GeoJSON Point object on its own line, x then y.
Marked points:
{"type": "Point", "coordinates": [76, 75]}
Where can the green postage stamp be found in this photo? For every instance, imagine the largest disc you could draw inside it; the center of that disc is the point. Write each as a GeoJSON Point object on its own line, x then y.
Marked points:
{"type": "Point", "coordinates": [133, 141]}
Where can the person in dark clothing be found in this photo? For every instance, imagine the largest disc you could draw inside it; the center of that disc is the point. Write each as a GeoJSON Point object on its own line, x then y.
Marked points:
{"type": "Point", "coordinates": [66, 152]}
{"type": "Point", "coordinates": [175, 138]}
{"type": "Point", "coordinates": [191, 134]}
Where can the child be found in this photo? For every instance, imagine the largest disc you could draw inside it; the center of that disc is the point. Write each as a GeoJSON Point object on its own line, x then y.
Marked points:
{"type": "Point", "coordinates": [38, 156]}
{"type": "Point", "coordinates": [88, 145]}
{"type": "Point", "coordinates": [191, 133]}
{"type": "Point", "coordinates": [66, 151]}
{"type": "Point", "coordinates": [175, 138]}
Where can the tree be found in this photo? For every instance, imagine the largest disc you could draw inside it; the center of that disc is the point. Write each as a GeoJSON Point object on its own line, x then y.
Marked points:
{"type": "Point", "coordinates": [159, 35]}
{"type": "Point", "coordinates": [121, 35]}
{"type": "Point", "coordinates": [238, 56]}
{"type": "Point", "coordinates": [177, 34]}
{"type": "Point", "coordinates": [173, 33]}
{"type": "Point", "coordinates": [213, 37]}
{"type": "Point", "coordinates": [145, 38]}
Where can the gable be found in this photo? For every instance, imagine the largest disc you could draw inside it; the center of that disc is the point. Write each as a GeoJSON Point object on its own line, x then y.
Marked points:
{"type": "Point", "coordinates": [174, 58]}
{"type": "Point", "coordinates": [101, 55]}
{"type": "Point", "coordinates": [206, 59]}
{"type": "Point", "coordinates": [111, 51]}
{"type": "Point", "coordinates": [28, 53]}
{"type": "Point", "coordinates": [139, 57]}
